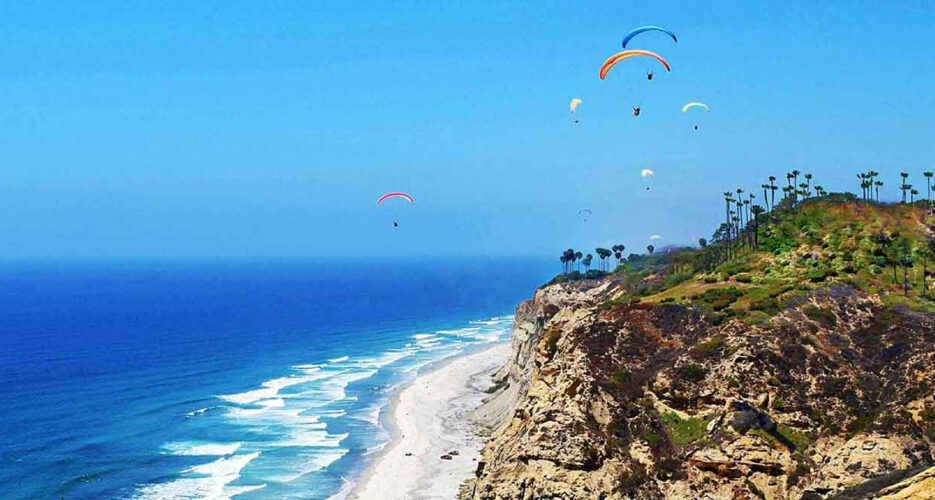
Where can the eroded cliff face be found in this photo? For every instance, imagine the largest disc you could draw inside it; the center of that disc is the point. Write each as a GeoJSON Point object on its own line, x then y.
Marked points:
{"type": "Point", "coordinates": [832, 396]}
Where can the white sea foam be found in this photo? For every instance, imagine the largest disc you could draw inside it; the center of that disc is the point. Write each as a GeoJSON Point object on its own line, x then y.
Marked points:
{"type": "Point", "coordinates": [315, 463]}
{"type": "Point", "coordinates": [206, 481]}
{"type": "Point", "coordinates": [196, 448]}
{"type": "Point", "coordinates": [199, 411]}
{"type": "Point", "coordinates": [270, 389]}
{"type": "Point", "coordinates": [339, 360]}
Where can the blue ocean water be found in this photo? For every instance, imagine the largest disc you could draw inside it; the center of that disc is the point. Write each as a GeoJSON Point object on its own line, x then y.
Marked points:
{"type": "Point", "coordinates": [253, 380]}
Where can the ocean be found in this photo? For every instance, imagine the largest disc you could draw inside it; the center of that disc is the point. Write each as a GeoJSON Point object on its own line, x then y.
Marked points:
{"type": "Point", "coordinates": [218, 380]}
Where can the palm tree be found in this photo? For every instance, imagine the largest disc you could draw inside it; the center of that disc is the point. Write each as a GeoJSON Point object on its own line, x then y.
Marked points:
{"type": "Point", "coordinates": [650, 249]}
{"type": "Point", "coordinates": [577, 258]}
{"type": "Point", "coordinates": [728, 199]}
{"type": "Point", "coordinates": [757, 210]}
{"type": "Point", "coordinates": [602, 254]}
{"type": "Point", "coordinates": [877, 185]}
{"type": "Point", "coordinates": [912, 194]}
{"type": "Point", "coordinates": [795, 180]}
{"type": "Point", "coordinates": [765, 188]}
{"type": "Point", "coordinates": [819, 191]}
{"type": "Point", "coordinates": [928, 188]}
{"type": "Point", "coordinates": [772, 189]}
{"type": "Point", "coordinates": [906, 262]}
{"type": "Point", "coordinates": [564, 264]}
{"type": "Point", "coordinates": [569, 256]}
{"type": "Point", "coordinates": [618, 253]}
{"type": "Point", "coordinates": [902, 186]}
{"type": "Point", "coordinates": [587, 262]}
{"type": "Point", "coordinates": [808, 184]}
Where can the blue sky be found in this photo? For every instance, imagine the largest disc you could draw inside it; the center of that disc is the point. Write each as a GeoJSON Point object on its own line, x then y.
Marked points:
{"type": "Point", "coordinates": [264, 130]}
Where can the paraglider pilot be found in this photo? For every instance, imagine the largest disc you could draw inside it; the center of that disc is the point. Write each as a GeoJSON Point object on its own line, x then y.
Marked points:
{"type": "Point", "coordinates": [649, 75]}
{"type": "Point", "coordinates": [395, 224]}
{"type": "Point", "coordinates": [636, 111]}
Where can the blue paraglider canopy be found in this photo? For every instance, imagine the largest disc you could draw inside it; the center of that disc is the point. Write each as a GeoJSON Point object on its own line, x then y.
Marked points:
{"type": "Point", "coordinates": [644, 29]}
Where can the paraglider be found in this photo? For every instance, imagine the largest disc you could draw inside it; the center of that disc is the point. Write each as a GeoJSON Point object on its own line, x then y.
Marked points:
{"type": "Point", "coordinates": [649, 75]}
{"type": "Point", "coordinates": [647, 174]}
{"type": "Point", "coordinates": [644, 29]}
{"type": "Point", "coordinates": [691, 105]}
{"type": "Point", "coordinates": [636, 111]}
{"type": "Point", "coordinates": [695, 104]}
{"type": "Point", "coordinates": [628, 54]}
{"type": "Point", "coordinates": [655, 237]}
{"type": "Point", "coordinates": [584, 213]}
{"type": "Point", "coordinates": [396, 194]}
{"type": "Point", "coordinates": [573, 105]}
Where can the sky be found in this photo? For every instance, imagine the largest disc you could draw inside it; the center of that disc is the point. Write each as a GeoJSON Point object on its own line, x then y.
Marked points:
{"type": "Point", "coordinates": [267, 130]}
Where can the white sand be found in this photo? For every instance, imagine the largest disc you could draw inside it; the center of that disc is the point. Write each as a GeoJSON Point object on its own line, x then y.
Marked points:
{"type": "Point", "coordinates": [431, 418]}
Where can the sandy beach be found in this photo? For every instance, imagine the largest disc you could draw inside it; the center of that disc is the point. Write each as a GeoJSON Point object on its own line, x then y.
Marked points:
{"type": "Point", "coordinates": [428, 419]}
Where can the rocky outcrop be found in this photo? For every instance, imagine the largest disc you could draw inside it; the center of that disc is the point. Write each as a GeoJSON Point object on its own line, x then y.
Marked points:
{"type": "Point", "coordinates": [512, 381]}
{"type": "Point", "coordinates": [607, 399]}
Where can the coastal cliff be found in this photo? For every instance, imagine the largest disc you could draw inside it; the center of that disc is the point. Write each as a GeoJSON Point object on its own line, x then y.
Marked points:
{"type": "Point", "coordinates": [757, 377]}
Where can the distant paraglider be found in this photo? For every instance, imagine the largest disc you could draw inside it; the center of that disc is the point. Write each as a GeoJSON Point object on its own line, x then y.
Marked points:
{"type": "Point", "coordinates": [584, 213]}
{"type": "Point", "coordinates": [648, 175]}
{"type": "Point", "coordinates": [396, 194]}
{"type": "Point", "coordinates": [655, 237]}
{"type": "Point", "coordinates": [573, 106]}
{"type": "Point", "coordinates": [644, 29]}
{"type": "Point", "coordinates": [691, 105]}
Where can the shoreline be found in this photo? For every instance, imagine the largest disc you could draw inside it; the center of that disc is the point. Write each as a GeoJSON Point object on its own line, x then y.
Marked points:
{"type": "Point", "coordinates": [426, 419]}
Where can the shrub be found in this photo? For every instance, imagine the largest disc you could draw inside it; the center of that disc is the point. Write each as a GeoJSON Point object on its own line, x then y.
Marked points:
{"type": "Point", "coordinates": [684, 431]}
{"type": "Point", "coordinates": [692, 372]}
{"type": "Point", "coordinates": [823, 317]}
{"type": "Point", "coordinates": [706, 348]}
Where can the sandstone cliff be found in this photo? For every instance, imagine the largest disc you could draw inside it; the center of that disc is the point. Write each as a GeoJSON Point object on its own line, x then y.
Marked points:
{"type": "Point", "coordinates": [829, 395]}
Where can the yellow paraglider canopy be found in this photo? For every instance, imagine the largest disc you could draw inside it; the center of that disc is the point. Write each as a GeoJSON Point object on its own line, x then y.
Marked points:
{"type": "Point", "coordinates": [691, 105]}
{"type": "Point", "coordinates": [574, 104]}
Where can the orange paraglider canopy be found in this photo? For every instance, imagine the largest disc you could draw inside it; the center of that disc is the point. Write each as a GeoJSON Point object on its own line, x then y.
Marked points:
{"type": "Point", "coordinates": [627, 54]}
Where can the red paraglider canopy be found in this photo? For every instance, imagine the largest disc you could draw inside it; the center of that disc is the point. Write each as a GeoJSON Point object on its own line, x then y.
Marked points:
{"type": "Point", "coordinates": [395, 195]}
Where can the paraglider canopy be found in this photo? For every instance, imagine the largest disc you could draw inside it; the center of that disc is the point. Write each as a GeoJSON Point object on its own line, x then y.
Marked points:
{"type": "Point", "coordinates": [691, 105]}
{"type": "Point", "coordinates": [655, 237]}
{"type": "Point", "coordinates": [647, 173]}
{"type": "Point", "coordinates": [395, 195]}
{"type": "Point", "coordinates": [574, 104]}
{"type": "Point", "coordinates": [628, 54]}
{"type": "Point", "coordinates": [644, 29]}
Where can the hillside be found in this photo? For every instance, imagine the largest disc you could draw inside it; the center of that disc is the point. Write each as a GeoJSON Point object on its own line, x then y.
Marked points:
{"type": "Point", "coordinates": [790, 360]}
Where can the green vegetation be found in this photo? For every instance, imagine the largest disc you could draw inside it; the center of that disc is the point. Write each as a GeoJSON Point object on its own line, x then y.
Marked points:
{"type": "Point", "coordinates": [771, 253]}
{"type": "Point", "coordinates": [706, 348]}
{"type": "Point", "coordinates": [684, 431]}
{"type": "Point", "coordinates": [823, 317]}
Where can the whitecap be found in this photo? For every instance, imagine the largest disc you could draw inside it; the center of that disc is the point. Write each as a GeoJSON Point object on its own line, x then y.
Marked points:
{"type": "Point", "coordinates": [339, 360]}
{"type": "Point", "coordinates": [197, 448]}
{"type": "Point", "coordinates": [209, 481]}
